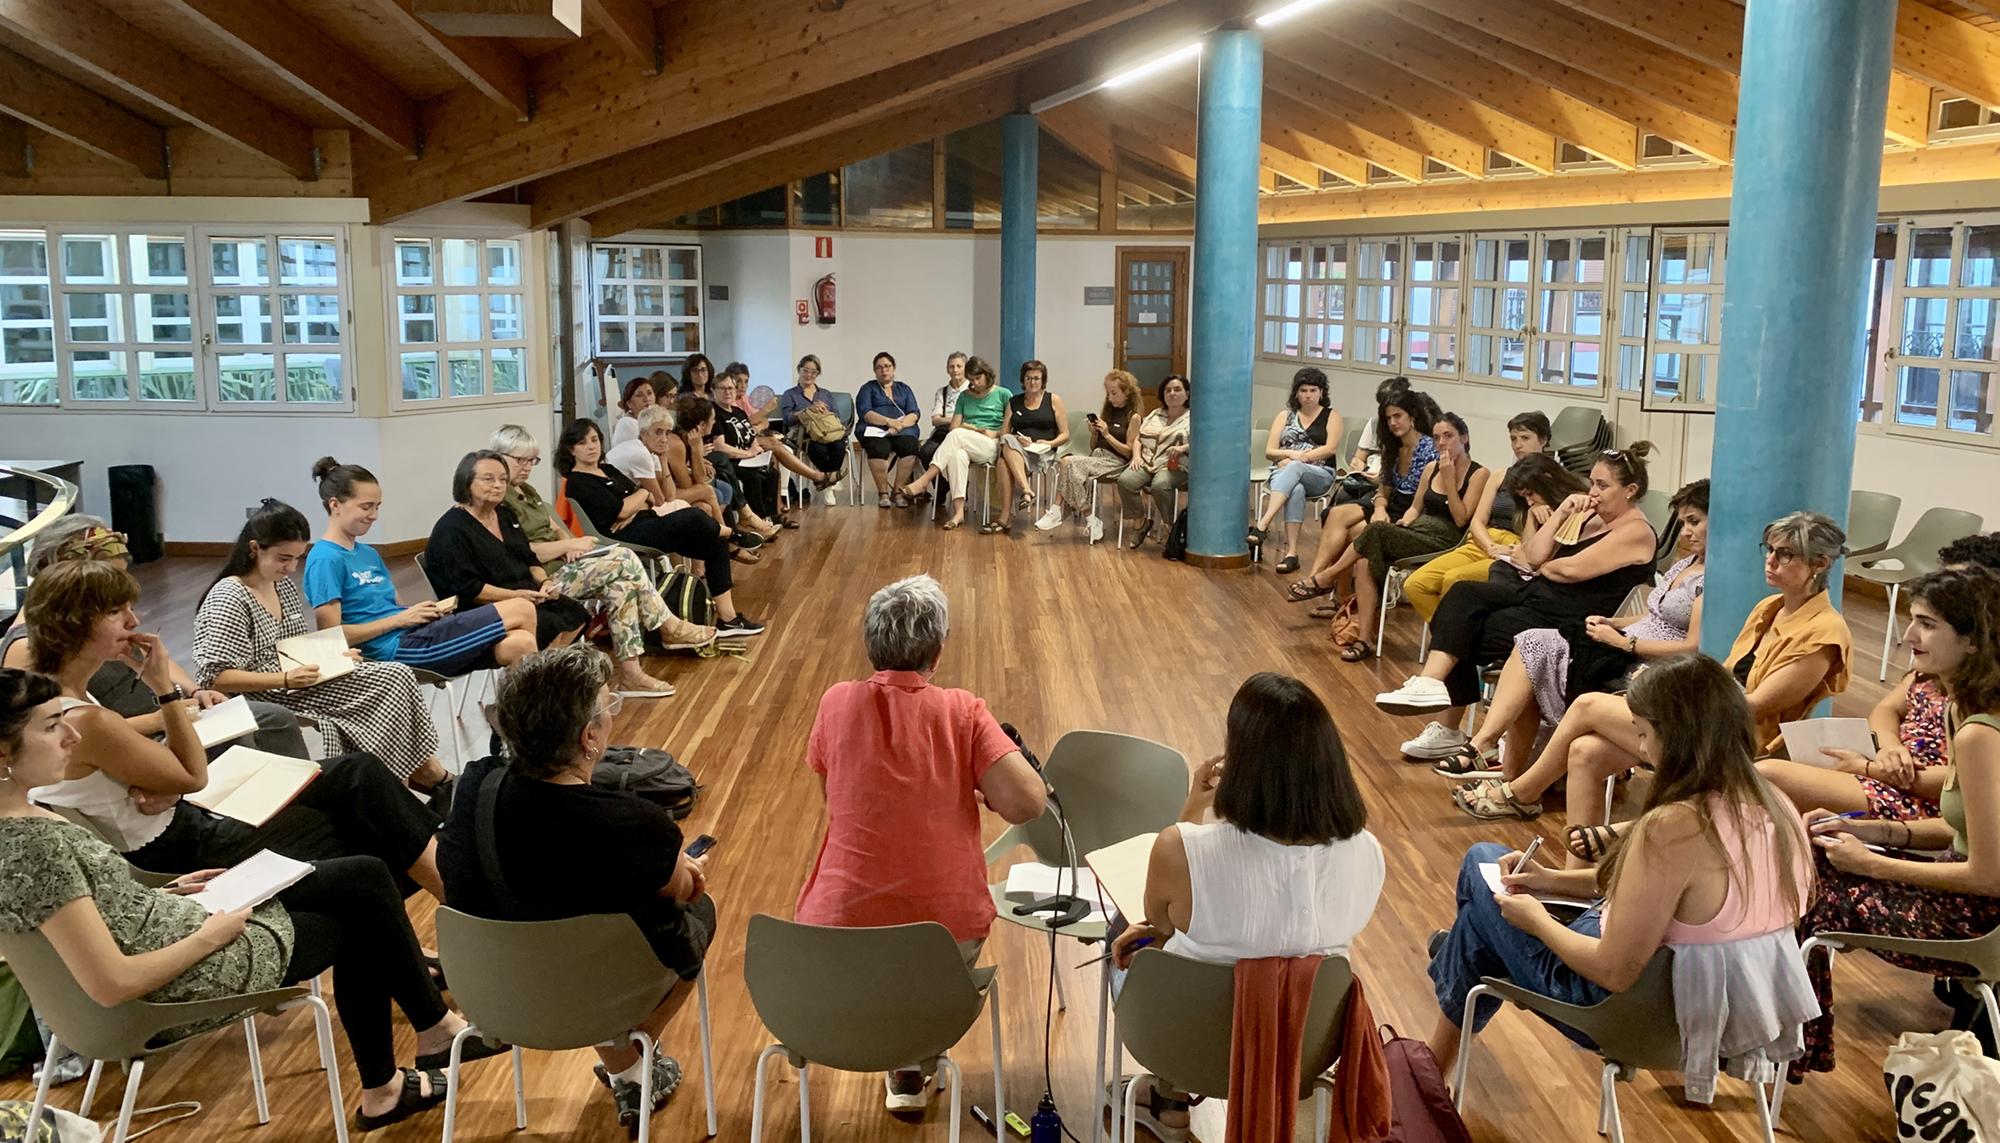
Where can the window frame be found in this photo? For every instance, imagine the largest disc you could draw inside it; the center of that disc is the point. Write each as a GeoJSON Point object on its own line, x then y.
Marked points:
{"type": "Point", "coordinates": [1953, 294]}
{"type": "Point", "coordinates": [393, 291]}
{"type": "Point", "coordinates": [1408, 326]}
{"type": "Point", "coordinates": [275, 290]}
{"type": "Point", "coordinates": [1540, 340]}
{"type": "Point", "coordinates": [668, 321]}
{"type": "Point", "coordinates": [1713, 288]}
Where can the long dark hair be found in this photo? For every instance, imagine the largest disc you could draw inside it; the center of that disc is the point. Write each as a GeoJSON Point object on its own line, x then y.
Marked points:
{"type": "Point", "coordinates": [1285, 774]}
{"type": "Point", "coordinates": [687, 373]}
{"type": "Point", "coordinates": [21, 692]}
{"type": "Point", "coordinates": [1543, 475]}
{"type": "Point", "coordinates": [1968, 598]}
{"type": "Point", "coordinates": [574, 434]}
{"type": "Point", "coordinates": [274, 522]}
{"type": "Point", "coordinates": [1423, 414]}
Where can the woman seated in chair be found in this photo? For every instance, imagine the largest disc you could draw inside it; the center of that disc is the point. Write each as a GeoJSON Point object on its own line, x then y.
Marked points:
{"type": "Point", "coordinates": [1716, 856]}
{"type": "Point", "coordinates": [1037, 426]}
{"type": "Point", "coordinates": [478, 553]}
{"type": "Point", "coordinates": [770, 434]}
{"type": "Point", "coordinates": [685, 472]}
{"type": "Point", "coordinates": [553, 712]}
{"type": "Point", "coordinates": [253, 603]}
{"type": "Point", "coordinates": [1114, 441]}
{"type": "Point", "coordinates": [637, 398]}
{"type": "Point", "coordinates": [129, 787]}
{"type": "Point", "coordinates": [1286, 869]}
{"type": "Point", "coordinates": [829, 457]}
{"type": "Point", "coordinates": [79, 893]}
{"type": "Point", "coordinates": [886, 415]}
{"type": "Point", "coordinates": [735, 446]}
{"type": "Point", "coordinates": [696, 373]}
{"type": "Point", "coordinates": [1550, 667]}
{"type": "Point", "coordinates": [1496, 527]}
{"type": "Point", "coordinates": [974, 438]}
{"type": "Point", "coordinates": [1159, 469]}
{"type": "Point", "coordinates": [1302, 451]}
{"type": "Point", "coordinates": [641, 457]}
{"type": "Point", "coordinates": [1792, 652]}
{"type": "Point", "coordinates": [619, 509]}
{"type": "Point", "coordinates": [1596, 547]}
{"type": "Point", "coordinates": [1953, 894]}
{"type": "Point", "coordinates": [1403, 424]}
{"type": "Point", "coordinates": [1453, 486]}
{"type": "Point", "coordinates": [349, 587]}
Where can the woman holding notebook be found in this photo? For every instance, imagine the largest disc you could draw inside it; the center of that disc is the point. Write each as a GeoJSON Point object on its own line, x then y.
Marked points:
{"type": "Point", "coordinates": [129, 788]}
{"type": "Point", "coordinates": [125, 941]}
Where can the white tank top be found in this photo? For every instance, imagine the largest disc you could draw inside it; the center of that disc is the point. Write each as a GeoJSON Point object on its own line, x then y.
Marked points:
{"type": "Point", "coordinates": [103, 801]}
{"type": "Point", "coordinates": [1254, 897]}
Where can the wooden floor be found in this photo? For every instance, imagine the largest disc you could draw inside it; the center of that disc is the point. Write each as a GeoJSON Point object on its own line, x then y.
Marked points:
{"type": "Point", "coordinates": [1055, 636]}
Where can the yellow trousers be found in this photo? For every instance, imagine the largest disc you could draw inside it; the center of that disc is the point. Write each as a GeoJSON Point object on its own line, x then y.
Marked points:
{"type": "Point", "coordinates": [1466, 563]}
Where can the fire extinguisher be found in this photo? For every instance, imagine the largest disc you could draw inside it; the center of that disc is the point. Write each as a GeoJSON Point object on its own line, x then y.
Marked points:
{"type": "Point", "coordinates": [823, 299]}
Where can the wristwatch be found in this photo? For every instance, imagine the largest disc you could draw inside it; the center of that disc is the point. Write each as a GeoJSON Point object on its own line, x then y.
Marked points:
{"type": "Point", "coordinates": [172, 696]}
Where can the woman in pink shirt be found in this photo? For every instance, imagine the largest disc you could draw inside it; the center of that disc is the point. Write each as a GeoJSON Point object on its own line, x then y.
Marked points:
{"type": "Point", "coordinates": [904, 764]}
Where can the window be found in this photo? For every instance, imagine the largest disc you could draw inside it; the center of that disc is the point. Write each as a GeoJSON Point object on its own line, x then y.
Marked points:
{"type": "Point", "coordinates": [1430, 331]}
{"type": "Point", "coordinates": [1499, 164]}
{"type": "Point", "coordinates": [1945, 352]}
{"type": "Point", "coordinates": [816, 200]}
{"type": "Point", "coordinates": [1066, 188]}
{"type": "Point", "coordinates": [1305, 297]}
{"type": "Point", "coordinates": [1378, 279]}
{"type": "Point", "coordinates": [1436, 172]}
{"type": "Point", "coordinates": [173, 317]}
{"type": "Point", "coordinates": [1496, 328]}
{"type": "Point", "coordinates": [645, 299]}
{"type": "Point", "coordinates": [458, 318]}
{"type": "Point", "coordinates": [1659, 151]}
{"type": "Point", "coordinates": [1569, 314]}
{"type": "Point", "coordinates": [1685, 333]}
{"type": "Point", "coordinates": [890, 190]}
{"type": "Point", "coordinates": [1961, 117]}
{"type": "Point", "coordinates": [1635, 270]}
{"type": "Point", "coordinates": [1570, 157]}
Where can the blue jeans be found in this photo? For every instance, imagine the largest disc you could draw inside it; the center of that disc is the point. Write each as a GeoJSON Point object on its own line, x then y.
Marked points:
{"type": "Point", "coordinates": [1482, 943]}
{"type": "Point", "coordinates": [1299, 482]}
{"type": "Point", "coordinates": [724, 492]}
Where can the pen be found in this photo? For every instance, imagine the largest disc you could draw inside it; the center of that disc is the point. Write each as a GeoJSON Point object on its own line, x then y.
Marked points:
{"type": "Point", "coordinates": [1142, 942]}
{"type": "Point", "coordinates": [1526, 856]}
{"type": "Point", "coordinates": [1848, 816]}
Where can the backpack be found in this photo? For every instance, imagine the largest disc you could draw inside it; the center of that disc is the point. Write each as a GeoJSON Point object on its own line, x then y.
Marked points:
{"type": "Point", "coordinates": [1175, 545]}
{"type": "Point", "coordinates": [821, 426]}
{"type": "Point", "coordinates": [652, 774]}
{"type": "Point", "coordinates": [686, 595]}
{"type": "Point", "coordinates": [1424, 1112]}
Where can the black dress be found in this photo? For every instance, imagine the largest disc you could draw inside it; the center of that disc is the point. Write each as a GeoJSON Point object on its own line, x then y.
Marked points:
{"type": "Point", "coordinates": [463, 557]}
{"type": "Point", "coordinates": [689, 532]}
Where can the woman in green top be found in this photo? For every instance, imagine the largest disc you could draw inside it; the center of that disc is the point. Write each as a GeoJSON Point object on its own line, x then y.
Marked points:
{"type": "Point", "coordinates": [1954, 637]}
{"type": "Point", "coordinates": [974, 438]}
{"type": "Point", "coordinates": [125, 941]}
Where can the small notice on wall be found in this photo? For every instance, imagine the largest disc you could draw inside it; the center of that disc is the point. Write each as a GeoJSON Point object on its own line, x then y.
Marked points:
{"type": "Point", "coordinates": [1148, 317]}
{"type": "Point", "coordinates": [823, 246]}
{"type": "Point", "coordinates": [1100, 296]}
{"type": "Point", "coordinates": [804, 309]}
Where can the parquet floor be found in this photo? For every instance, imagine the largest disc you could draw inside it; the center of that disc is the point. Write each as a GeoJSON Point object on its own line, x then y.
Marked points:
{"type": "Point", "coordinates": [1055, 635]}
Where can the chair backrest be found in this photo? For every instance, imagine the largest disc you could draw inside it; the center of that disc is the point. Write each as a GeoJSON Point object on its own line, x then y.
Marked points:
{"type": "Point", "coordinates": [517, 979]}
{"type": "Point", "coordinates": [842, 405]}
{"type": "Point", "coordinates": [1079, 431]}
{"type": "Point", "coordinates": [1112, 787]}
{"type": "Point", "coordinates": [861, 1000]}
{"type": "Point", "coordinates": [120, 1032]}
{"type": "Point", "coordinates": [583, 519]}
{"type": "Point", "coordinates": [1175, 1016]}
{"type": "Point", "coordinates": [1657, 506]}
{"type": "Point", "coordinates": [1933, 530]}
{"type": "Point", "coordinates": [1576, 427]}
{"type": "Point", "coordinates": [1635, 603]}
{"type": "Point", "coordinates": [1871, 519]}
{"type": "Point", "coordinates": [1637, 1027]}
{"type": "Point", "coordinates": [1349, 441]}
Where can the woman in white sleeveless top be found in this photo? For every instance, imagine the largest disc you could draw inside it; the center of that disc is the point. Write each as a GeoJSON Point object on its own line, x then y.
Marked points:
{"type": "Point", "coordinates": [1286, 868]}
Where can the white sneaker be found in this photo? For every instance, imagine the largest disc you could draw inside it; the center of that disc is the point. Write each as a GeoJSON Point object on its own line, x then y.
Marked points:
{"type": "Point", "coordinates": [1051, 519]}
{"type": "Point", "coordinates": [1095, 527]}
{"type": "Point", "coordinates": [1417, 695]}
{"type": "Point", "coordinates": [827, 498]}
{"type": "Point", "coordinates": [907, 1090]}
{"type": "Point", "coordinates": [1437, 741]}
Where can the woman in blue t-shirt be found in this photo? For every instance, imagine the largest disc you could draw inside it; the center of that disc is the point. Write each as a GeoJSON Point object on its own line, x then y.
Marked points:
{"type": "Point", "coordinates": [349, 587]}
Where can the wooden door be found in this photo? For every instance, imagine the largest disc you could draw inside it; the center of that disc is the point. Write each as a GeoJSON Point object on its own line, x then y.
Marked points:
{"type": "Point", "coordinates": [1151, 323]}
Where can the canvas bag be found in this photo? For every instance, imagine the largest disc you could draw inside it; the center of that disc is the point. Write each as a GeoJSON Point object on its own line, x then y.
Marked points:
{"type": "Point", "coordinates": [1943, 1089]}
{"type": "Point", "coordinates": [1424, 1112]}
{"type": "Point", "coordinates": [821, 426]}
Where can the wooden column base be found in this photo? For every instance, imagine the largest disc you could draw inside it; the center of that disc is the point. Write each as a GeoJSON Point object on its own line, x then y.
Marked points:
{"type": "Point", "coordinates": [1219, 563]}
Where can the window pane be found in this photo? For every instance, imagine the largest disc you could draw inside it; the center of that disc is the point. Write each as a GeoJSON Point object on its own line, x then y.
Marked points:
{"type": "Point", "coordinates": [468, 377]}
{"type": "Point", "coordinates": [649, 336]}
{"type": "Point", "coordinates": [28, 384]}
{"type": "Point", "coordinates": [1374, 303]}
{"type": "Point", "coordinates": [1590, 259]}
{"type": "Point", "coordinates": [90, 260]}
{"type": "Point", "coordinates": [1971, 401]}
{"type": "Point", "coordinates": [313, 378]}
{"type": "Point", "coordinates": [1687, 259]}
{"type": "Point", "coordinates": [684, 301]}
{"type": "Point", "coordinates": [508, 376]}
{"type": "Point", "coordinates": [311, 319]}
{"type": "Point", "coordinates": [1485, 259]}
{"type": "Point", "coordinates": [461, 317]}
{"type": "Point", "coordinates": [96, 375]}
{"type": "Point", "coordinates": [1638, 259]}
{"type": "Point", "coordinates": [413, 262]}
{"type": "Point", "coordinates": [420, 376]}
{"type": "Point", "coordinates": [1929, 257]}
{"type": "Point", "coordinates": [647, 301]}
{"type": "Point", "coordinates": [242, 319]}
{"type": "Point", "coordinates": [162, 317]}
{"type": "Point", "coordinates": [1479, 353]}
{"type": "Point", "coordinates": [1916, 396]}
{"type": "Point", "coordinates": [895, 189]}
{"type": "Point", "coordinates": [24, 303]}
{"type": "Point", "coordinates": [166, 376]}
{"type": "Point", "coordinates": [26, 345]}
{"type": "Point", "coordinates": [1923, 327]}
{"type": "Point", "coordinates": [503, 262]}
{"type": "Point", "coordinates": [1558, 260]}
{"type": "Point", "coordinates": [614, 337]}
{"type": "Point", "coordinates": [418, 314]}
{"type": "Point", "coordinates": [238, 262]}
{"type": "Point", "coordinates": [95, 317]}
{"type": "Point", "coordinates": [610, 262]}
{"type": "Point", "coordinates": [1975, 330]}
{"type": "Point", "coordinates": [1631, 364]}
{"type": "Point", "coordinates": [461, 262]}
{"type": "Point", "coordinates": [682, 265]}
{"type": "Point", "coordinates": [1589, 306]}
{"type": "Point", "coordinates": [308, 262]}
{"type": "Point", "coordinates": [1682, 318]}
{"type": "Point", "coordinates": [816, 199]}
{"type": "Point", "coordinates": [1632, 313]}
{"type": "Point", "coordinates": [612, 300]}
{"type": "Point", "coordinates": [158, 259]}
{"type": "Point", "coordinates": [1514, 256]}
{"type": "Point", "coordinates": [248, 377]}
{"type": "Point", "coordinates": [23, 256]}
{"type": "Point", "coordinates": [684, 337]}
{"type": "Point", "coordinates": [503, 317]}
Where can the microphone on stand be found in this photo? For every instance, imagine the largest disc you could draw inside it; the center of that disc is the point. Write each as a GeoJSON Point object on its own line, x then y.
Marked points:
{"type": "Point", "coordinates": [1063, 908]}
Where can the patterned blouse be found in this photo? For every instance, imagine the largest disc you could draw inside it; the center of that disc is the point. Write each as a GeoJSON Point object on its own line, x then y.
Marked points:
{"type": "Point", "coordinates": [1157, 434]}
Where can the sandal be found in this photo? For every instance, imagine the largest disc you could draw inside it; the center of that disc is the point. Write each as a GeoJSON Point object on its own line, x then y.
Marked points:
{"type": "Point", "coordinates": [1356, 651]}
{"type": "Point", "coordinates": [995, 528]}
{"type": "Point", "coordinates": [1139, 537]}
{"type": "Point", "coordinates": [1025, 503]}
{"type": "Point", "coordinates": [1465, 762]}
{"type": "Point", "coordinates": [899, 500]}
{"type": "Point", "coordinates": [1308, 588]}
{"type": "Point", "coordinates": [883, 500]}
{"type": "Point", "coordinates": [744, 557]}
{"type": "Point", "coordinates": [1256, 537]}
{"type": "Point", "coordinates": [1589, 842]}
{"type": "Point", "coordinates": [1324, 611]}
{"type": "Point", "coordinates": [788, 522]}
{"type": "Point", "coordinates": [1287, 566]}
{"type": "Point", "coordinates": [412, 1100]}
{"type": "Point", "coordinates": [1494, 801]}
{"type": "Point", "coordinates": [949, 525]}
{"type": "Point", "coordinates": [476, 1047]}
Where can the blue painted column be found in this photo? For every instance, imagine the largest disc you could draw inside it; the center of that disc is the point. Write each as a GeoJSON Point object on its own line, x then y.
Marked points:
{"type": "Point", "coordinates": [1020, 139]}
{"type": "Point", "coordinates": [1801, 234]}
{"type": "Point", "coordinates": [1224, 313]}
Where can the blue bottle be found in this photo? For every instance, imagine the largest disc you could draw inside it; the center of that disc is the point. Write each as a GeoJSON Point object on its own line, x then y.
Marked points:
{"type": "Point", "coordinates": [1046, 1126]}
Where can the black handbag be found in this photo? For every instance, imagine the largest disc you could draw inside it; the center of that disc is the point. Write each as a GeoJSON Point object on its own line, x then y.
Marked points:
{"type": "Point", "coordinates": [1175, 546]}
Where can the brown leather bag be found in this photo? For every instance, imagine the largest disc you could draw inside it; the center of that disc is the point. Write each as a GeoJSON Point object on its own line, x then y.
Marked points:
{"type": "Point", "coordinates": [1345, 627]}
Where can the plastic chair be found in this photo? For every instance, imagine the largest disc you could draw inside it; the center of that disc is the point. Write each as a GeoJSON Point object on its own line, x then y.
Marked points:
{"type": "Point", "coordinates": [1655, 505]}
{"type": "Point", "coordinates": [504, 980]}
{"type": "Point", "coordinates": [865, 1000]}
{"type": "Point", "coordinates": [130, 1033]}
{"type": "Point", "coordinates": [1175, 1016]}
{"type": "Point", "coordinates": [1392, 594]}
{"type": "Point", "coordinates": [1916, 555]}
{"type": "Point", "coordinates": [1577, 436]}
{"type": "Point", "coordinates": [842, 406]}
{"type": "Point", "coordinates": [1871, 520]}
{"type": "Point", "coordinates": [654, 558]}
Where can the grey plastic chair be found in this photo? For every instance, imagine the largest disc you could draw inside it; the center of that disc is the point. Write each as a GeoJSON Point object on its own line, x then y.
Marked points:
{"type": "Point", "coordinates": [653, 557]}
{"type": "Point", "coordinates": [1915, 555]}
{"type": "Point", "coordinates": [131, 1033]}
{"type": "Point", "coordinates": [865, 1000]}
{"type": "Point", "coordinates": [505, 978]}
{"type": "Point", "coordinates": [1392, 594]}
{"type": "Point", "coordinates": [1871, 521]}
{"type": "Point", "coordinates": [1577, 435]}
{"type": "Point", "coordinates": [1175, 1016]}
{"type": "Point", "coordinates": [842, 405]}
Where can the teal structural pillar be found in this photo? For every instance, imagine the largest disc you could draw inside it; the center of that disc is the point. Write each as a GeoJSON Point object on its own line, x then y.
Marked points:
{"type": "Point", "coordinates": [1809, 117]}
{"type": "Point", "coordinates": [1224, 313]}
{"type": "Point", "coordinates": [1020, 139]}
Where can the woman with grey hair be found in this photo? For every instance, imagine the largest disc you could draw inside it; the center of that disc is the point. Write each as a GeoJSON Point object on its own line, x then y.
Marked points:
{"type": "Point", "coordinates": [553, 712]}
{"type": "Point", "coordinates": [478, 552]}
{"type": "Point", "coordinates": [904, 764]}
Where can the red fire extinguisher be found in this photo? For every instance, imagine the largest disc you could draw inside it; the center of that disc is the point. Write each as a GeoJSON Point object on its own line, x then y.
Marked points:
{"type": "Point", "coordinates": [823, 299]}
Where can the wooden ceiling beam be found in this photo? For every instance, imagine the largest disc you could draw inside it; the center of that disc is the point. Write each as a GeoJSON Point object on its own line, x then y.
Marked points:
{"type": "Point", "coordinates": [1300, 122]}
{"type": "Point", "coordinates": [71, 111]}
{"type": "Point", "coordinates": [1712, 139]}
{"type": "Point", "coordinates": [1140, 146]}
{"type": "Point", "coordinates": [276, 40]}
{"type": "Point", "coordinates": [1596, 48]}
{"type": "Point", "coordinates": [1086, 134]}
{"type": "Point", "coordinates": [634, 27]}
{"type": "Point", "coordinates": [88, 37]}
{"type": "Point", "coordinates": [1156, 190]}
{"type": "Point", "coordinates": [1165, 120]}
{"type": "Point", "coordinates": [1357, 71]}
{"type": "Point", "coordinates": [1945, 51]}
{"type": "Point", "coordinates": [989, 100]}
{"type": "Point", "coordinates": [492, 68]}
{"type": "Point", "coordinates": [1448, 65]}
{"type": "Point", "coordinates": [1304, 86]}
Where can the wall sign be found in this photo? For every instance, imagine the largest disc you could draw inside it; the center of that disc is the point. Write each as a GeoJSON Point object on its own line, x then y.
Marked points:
{"type": "Point", "coordinates": [823, 246]}
{"type": "Point", "coordinates": [718, 293]}
{"type": "Point", "coordinates": [804, 312]}
{"type": "Point", "coordinates": [1100, 295]}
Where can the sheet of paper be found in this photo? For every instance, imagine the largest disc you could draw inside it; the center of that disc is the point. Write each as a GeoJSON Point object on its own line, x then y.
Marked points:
{"type": "Point", "coordinates": [1490, 870]}
{"type": "Point", "coordinates": [1121, 870]}
{"type": "Point", "coordinates": [874, 430]}
{"type": "Point", "coordinates": [251, 785]}
{"type": "Point", "coordinates": [225, 722]}
{"type": "Point", "coordinates": [1031, 881]}
{"type": "Point", "coordinates": [1041, 448]}
{"type": "Point", "coordinates": [1806, 738]}
{"type": "Point", "coordinates": [761, 460]}
{"type": "Point", "coordinates": [252, 882]}
{"type": "Point", "coordinates": [326, 650]}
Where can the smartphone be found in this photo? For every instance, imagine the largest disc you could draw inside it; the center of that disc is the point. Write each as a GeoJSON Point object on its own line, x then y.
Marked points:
{"type": "Point", "coordinates": [1091, 417]}
{"type": "Point", "coordinates": [701, 845]}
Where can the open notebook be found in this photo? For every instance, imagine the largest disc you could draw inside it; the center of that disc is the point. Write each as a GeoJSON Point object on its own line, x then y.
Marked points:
{"type": "Point", "coordinates": [252, 786]}
{"type": "Point", "coordinates": [225, 722]}
{"type": "Point", "coordinates": [1121, 872]}
{"type": "Point", "coordinates": [251, 882]}
{"type": "Point", "coordinates": [326, 650]}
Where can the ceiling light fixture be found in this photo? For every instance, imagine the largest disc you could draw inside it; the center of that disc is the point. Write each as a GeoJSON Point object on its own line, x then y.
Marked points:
{"type": "Point", "coordinates": [1153, 66]}
{"type": "Point", "coordinates": [1285, 12]}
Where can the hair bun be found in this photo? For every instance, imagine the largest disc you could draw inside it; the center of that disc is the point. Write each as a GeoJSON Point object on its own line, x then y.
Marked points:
{"type": "Point", "coordinates": [1640, 450]}
{"type": "Point", "coordinates": [323, 466]}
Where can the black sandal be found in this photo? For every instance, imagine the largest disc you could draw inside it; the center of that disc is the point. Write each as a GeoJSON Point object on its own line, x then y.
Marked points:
{"type": "Point", "coordinates": [476, 1047]}
{"type": "Point", "coordinates": [1590, 842]}
{"type": "Point", "coordinates": [1356, 651]}
{"type": "Point", "coordinates": [1287, 566]}
{"type": "Point", "coordinates": [1465, 762]}
{"type": "Point", "coordinates": [1307, 588]}
{"type": "Point", "coordinates": [410, 1101]}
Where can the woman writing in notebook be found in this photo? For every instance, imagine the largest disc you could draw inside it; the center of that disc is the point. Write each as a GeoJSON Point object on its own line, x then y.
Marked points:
{"type": "Point", "coordinates": [128, 788]}
{"type": "Point", "coordinates": [125, 941]}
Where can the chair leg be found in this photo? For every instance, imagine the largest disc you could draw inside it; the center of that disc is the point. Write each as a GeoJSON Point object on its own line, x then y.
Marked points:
{"type": "Point", "coordinates": [323, 1032]}
{"type": "Point", "coordinates": [1604, 1082]}
{"type": "Point", "coordinates": [1611, 1103]}
{"type": "Point", "coordinates": [1322, 1108]}
{"type": "Point", "coordinates": [805, 1104]}
{"type": "Point", "coordinates": [1992, 1006]}
{"type": "Point", "coordinates": [1778, 1094]}
{"type": "Point", "coordinates": [1465, 1044]}
{"type": "Point", "coordinates": [134, 1069]}
{"type": "Point", "coordinates": [520, 1092]}
{"type": "Point", "coordinates": [949, 1068]}
{"type": "Point", "coordinates": [1381, 620]}
{"type": "Point", "coordinates": [1423, 647]}
{"type": "Point", "coordinates": [646, 1050]}
{"type": "Point", "coordinates": [42, 1086]}
{"type": "Point", "coordinates": [326, 1046]}
{"type": "Point", "coordinates": [451, 1081]}
{"type": "Point", "coordinates": [707, 1052]}
{"type": "Point", "coordinates": [1103, 1019]}
{"type": "Point", "coordinates": [1610, 792]}
{"type": "Point", "coordinates": [1764, 1113]}
{"type": "Point", "coordinates": [1062, 990]}
{"type": "Point", "coordinates": [1889, 632]}
{"type": "Point", "coordinates": [757, 1093]}
{"type": "Point", "coordinates": [999, 1066]}
{"type": "Point", "coordinates": [256, 1070]}
{"type": "Point", "coordinates": [1130, 1111]}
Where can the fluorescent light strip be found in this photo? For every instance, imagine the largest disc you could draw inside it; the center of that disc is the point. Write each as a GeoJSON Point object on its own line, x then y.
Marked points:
{"type": "Point", "coordinates": [1285, 12]}
{"type": "Point", "coordinates": [1153, 66]}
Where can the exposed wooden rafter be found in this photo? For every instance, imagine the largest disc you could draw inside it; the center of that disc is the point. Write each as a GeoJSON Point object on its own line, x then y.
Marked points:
{"type": "Point", "coordinates": [1087, 134]}
{"type": "Point", "coordinates": [1287, 80]}
{"type": "Point", "coordinates": [492, 68]}
{"type": "Point", "coordinates": [1947, 52]}
{"type": "Point", "coordinates": [632, 25]}
{"type": "Point", "coordinates": [71, 111]}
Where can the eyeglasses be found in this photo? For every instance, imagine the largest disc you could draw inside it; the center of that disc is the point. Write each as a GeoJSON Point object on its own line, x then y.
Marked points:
{"type": "Point", "coordinates": [1612, 454]}
{"type": "Point", "coordinates": [530, 461]}
{"type": "Point", "coordinates": [489, 478]}
{"type": "Point", "coordinates": [610, 709]}
{"type": "Point", "coordinates": [1782, 555]}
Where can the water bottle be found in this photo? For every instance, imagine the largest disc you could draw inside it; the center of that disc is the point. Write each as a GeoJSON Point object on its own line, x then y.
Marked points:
{"type": "Point", "coordinates": [1047, 1126]}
